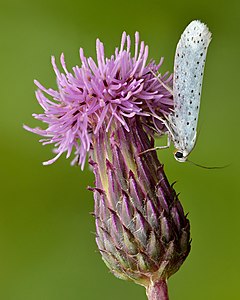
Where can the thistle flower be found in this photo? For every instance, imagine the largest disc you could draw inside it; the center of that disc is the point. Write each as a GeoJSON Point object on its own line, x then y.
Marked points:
{"type": "Point", "coordinates": [117, 88]}
{"type": "Point", "coordinates": [110, 110]}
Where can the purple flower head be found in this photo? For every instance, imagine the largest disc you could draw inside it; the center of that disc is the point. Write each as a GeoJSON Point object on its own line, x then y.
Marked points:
{"type": "Point", "coordinates": [114, 88]}
{"type": "Point", "coordinates": [111, 109]}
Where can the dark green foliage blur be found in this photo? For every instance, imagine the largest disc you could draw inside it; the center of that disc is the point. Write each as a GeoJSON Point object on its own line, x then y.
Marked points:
{"type": "Point", "coordinates": [48, 250]}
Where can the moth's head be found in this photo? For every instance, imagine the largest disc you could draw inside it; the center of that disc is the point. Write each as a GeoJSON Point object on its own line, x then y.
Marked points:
{"type": "Point", "coordinates": [180, 155]}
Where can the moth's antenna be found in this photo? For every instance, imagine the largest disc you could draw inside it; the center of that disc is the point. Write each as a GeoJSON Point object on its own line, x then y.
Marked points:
{"type": "Point", "coordinates": [210, 168]}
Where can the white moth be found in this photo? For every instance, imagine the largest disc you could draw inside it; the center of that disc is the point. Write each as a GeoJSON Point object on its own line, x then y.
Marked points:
{"type": "Point", "coordinates": [189, 65]}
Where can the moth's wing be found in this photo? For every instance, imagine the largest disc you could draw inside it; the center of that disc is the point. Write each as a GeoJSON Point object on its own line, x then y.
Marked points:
{"type": "Point", "coordinates": [187, 80]}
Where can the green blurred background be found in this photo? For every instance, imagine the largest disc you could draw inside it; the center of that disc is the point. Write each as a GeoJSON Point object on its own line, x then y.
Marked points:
{"type": "Point", "coordinates": [48, 250]}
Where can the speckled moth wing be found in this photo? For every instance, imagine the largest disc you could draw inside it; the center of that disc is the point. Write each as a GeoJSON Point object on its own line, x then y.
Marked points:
{"type": "Point", "coordinates": [187, 81]}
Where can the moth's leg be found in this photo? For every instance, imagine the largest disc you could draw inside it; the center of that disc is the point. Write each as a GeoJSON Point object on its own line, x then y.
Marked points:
{"type": "Point", "coordinates": [162, 83]}
{"type": "Point", "coordinates": [167, 124]}
{"type": "Point", "coordinates": [159, 147]}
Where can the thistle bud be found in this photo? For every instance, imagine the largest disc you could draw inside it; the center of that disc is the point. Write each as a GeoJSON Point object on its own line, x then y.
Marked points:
{"type": "Point", "coordinates": [142, 232]}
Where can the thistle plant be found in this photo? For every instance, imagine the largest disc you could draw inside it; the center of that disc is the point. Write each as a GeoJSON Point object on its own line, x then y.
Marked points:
{"type": "Point", "coordinates": [109, 112]}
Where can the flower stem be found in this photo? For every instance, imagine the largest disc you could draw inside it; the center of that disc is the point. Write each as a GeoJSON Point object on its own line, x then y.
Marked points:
{"type": "Point", "coordinates": [157, 290]}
